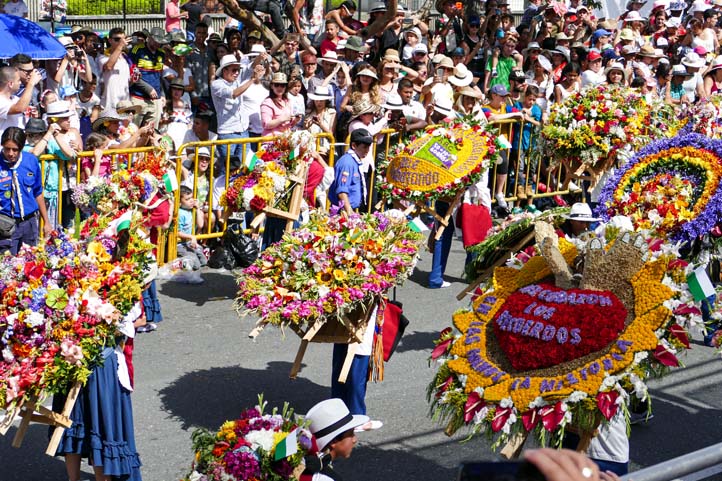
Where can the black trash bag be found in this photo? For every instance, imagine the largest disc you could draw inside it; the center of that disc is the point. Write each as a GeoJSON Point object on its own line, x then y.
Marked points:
{"type": "Point", "coordinates": [221, 258]}
{"type": "Point", "coordinates": [243, 248]}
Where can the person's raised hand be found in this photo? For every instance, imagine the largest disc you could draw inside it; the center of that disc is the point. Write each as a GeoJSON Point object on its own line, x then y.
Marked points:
{"type": "Point", "coordinates": [563, 465]}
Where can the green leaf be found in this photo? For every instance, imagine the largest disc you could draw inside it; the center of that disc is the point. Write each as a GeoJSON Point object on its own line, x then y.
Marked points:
{"type": "Point", "coordinates": [57, 299]}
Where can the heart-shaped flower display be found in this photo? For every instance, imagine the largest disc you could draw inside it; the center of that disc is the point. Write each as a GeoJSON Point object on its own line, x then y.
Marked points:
{"type": "Point", "coordinates": [542, 325]}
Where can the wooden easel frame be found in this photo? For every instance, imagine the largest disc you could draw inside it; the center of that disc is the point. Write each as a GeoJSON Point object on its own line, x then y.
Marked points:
{"type": "Point", "coordinates": [325, 330]}
{"type": "Point", "coordinates": [33, 411]}
{"type": "Point", "coordinates": [294, 206]}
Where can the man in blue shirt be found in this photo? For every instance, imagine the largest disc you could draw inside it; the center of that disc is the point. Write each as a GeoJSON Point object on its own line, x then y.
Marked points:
{"type": "Point", "coordinates": [21, 191]}
{"type": "Point", "coordinates": [348, 187]}
{"type": "Point", "coordinates": [150, 59]}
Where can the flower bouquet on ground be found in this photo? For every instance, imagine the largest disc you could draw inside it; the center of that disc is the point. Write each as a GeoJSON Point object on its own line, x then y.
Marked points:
{"type": "Point", "coordinates": [670, 188]}
{"type": "Point", "coordinates": [62, 303]}
{"type": "Point", "coordinates": [546, 348]}
{"type": "Point", "coordinates": [438, 163]}
{"type": "Point", "coordinates": [329, 267]}
{"type": "Point", "coordinates": [589, 127]}
{"type": "Point", "coordinates": [255, 447]}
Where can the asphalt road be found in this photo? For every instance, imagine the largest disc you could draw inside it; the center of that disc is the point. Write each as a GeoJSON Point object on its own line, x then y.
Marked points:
{"type": "Point", "coordinates": [200, 368]}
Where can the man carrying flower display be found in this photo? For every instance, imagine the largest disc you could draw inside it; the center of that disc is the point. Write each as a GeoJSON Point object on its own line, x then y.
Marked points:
{"type": "Point", "coordinates": [347, 190]}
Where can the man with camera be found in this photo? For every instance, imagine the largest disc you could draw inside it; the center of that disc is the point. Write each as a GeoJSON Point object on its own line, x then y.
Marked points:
{"type": "Point", "coordinates": [115, 68]}
{"type": "Point", "coordinates": [12, 108]}
{"type": "Point", "coordinates": [74, 67]}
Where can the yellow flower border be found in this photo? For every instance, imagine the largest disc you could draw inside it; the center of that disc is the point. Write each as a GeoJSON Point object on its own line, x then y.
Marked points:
{"type": "Point", "coordinates": [649, 311]}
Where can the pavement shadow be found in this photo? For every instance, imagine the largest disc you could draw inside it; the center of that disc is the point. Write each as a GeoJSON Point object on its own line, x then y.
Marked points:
{"type": "Point", "coordinates": [368, 462]}
{"type": "Point", "coordinates": [421, 277]}
{"type": "Point", "coordinates": [208, 397]}
{"type": "Point", "coordinates": [418, 341]}
{"type": "Point", "coordinates": [689, 430]}
{"type": "Point", "coordinates": [215, 286]}
{"type": "Point", "coordinates": [30, 461]}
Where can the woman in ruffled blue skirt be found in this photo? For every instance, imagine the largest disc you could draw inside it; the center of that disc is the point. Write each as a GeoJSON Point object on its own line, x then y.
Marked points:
{"type": "Point", "coordinates": [102, 429]}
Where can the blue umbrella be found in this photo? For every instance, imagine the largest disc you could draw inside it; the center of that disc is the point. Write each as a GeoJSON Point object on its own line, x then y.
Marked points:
{"type": "Point", "coordinates": [20, 35]}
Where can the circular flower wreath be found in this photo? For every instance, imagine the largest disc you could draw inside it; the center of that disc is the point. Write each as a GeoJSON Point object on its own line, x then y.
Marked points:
{"type": "Point", "coordinates": [670, 187]}
{"type": "Point", "coordinates": [504, 385]}
{"type": "Point", "coordinates": [455, 135]}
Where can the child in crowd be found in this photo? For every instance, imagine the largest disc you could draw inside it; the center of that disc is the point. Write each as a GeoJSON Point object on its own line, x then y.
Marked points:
{"type": "Point", "coordinates": [188, 246]}
{"type": "Point", "coordinates": [99, 165]}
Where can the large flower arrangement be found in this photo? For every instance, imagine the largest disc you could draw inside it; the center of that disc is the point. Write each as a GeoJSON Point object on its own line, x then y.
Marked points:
{"type": "Point", "coordinates": [255, 447]}
{"type": "Point", "coordinates": [591, 125]}
{"type": "Point", "coordinates": [104, 195]}
{"type": "Point", "coordinates": [289, 148]}
{"type": "Point", "coordinates": [437, 163]}
{"type": "Point", "coordinates": [257, 189]}
{"type": "Point", "coordinates": [670, 187]}
{"type": "Point", "coordinates": [532, 358]}
{"type": "Point", "coordinates": [267, 181]}
{"type": "Point", "coordinates": [328, 267]}
{"type": "Point", "coordinates": [703, 117]}
{"type": "Point", "coordinates": [62, 303]}
{"type": "Point", "coordinates": [124, 187]}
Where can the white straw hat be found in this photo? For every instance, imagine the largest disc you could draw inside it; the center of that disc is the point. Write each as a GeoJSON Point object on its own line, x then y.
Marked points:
{"type": "Point", "coordinates": [330, 418]}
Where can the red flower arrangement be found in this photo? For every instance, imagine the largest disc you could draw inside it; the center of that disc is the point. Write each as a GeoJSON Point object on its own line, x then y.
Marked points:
{"type": "Point", "coordinates": [542, 325]}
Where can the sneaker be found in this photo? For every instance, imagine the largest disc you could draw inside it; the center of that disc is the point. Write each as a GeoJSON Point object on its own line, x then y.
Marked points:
{"type": "Point", "coordinates": [501, 201]}
{"type": "Point", "coordinates": [149, 327]}
{"type": "Point", "coordinates": [531, 208]}
{"type": "Point", "coordinates": [529, 191]}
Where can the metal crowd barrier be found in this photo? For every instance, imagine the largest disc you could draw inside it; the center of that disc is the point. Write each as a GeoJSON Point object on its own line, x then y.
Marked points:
{"type": "Point", "coordinates": [218, 183]}
{"type": "Point", "coordinates": [120, 159]}
{"type": "Point", "coordinates": [533, 170]}
{"type": "Point", "coordinates": [684, 465]}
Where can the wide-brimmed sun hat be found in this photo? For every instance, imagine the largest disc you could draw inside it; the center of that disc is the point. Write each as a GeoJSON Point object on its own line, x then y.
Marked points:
{"type": "Point", "coordinates": [462, 76]}
{"type": "Point", "coordinates": [582, 212]}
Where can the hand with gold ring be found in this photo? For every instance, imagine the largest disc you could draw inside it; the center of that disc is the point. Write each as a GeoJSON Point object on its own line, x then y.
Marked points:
{"type": "Point", "coordinates": [565, 465]}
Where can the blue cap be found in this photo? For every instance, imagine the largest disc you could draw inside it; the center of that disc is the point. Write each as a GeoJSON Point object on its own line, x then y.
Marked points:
{"type": "Point", "coordinates": [499, 89]}
{"type": "Point", "coordinates": [68, 91]}
{"type": "Point", "coordinates": [458, 51]}
{"type": "Point", "coordinates": [600, 33]}
{"type": "Point", "coordinates": [610, 54]}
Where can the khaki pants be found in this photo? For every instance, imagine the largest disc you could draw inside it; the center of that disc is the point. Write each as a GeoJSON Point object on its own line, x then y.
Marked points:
{"type": "Point", "coordinates": [152, 107]}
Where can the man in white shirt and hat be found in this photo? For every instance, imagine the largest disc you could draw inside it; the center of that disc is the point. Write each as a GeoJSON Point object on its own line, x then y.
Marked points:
{"type": "Point", "coordinates": [227, 91]}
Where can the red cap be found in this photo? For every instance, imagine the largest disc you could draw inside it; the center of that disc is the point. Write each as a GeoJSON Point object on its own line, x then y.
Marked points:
{"type": "Point", "coordinates": [593, 55]}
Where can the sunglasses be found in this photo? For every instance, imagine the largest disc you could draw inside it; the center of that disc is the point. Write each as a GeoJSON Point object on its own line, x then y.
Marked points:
{"type": "Point", "coordinates": [116, 39]}
{"type": "Point", "coordinates": [26, 70]}
{"type": "Point", "coordinates": [278, 85]}
{"type": "Point", "coordinates": [308, 64]}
